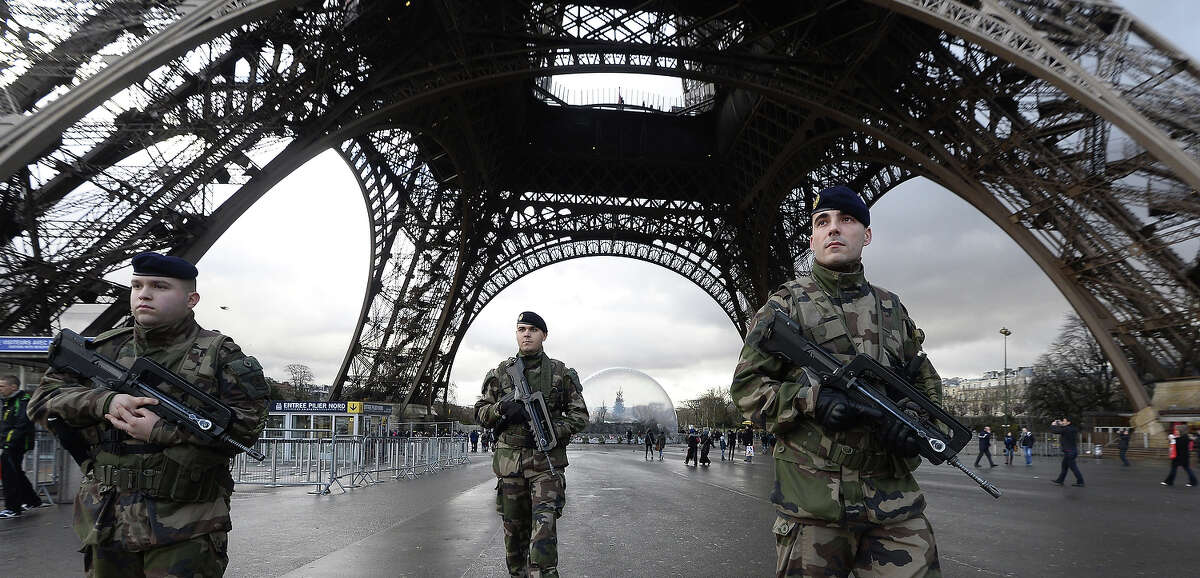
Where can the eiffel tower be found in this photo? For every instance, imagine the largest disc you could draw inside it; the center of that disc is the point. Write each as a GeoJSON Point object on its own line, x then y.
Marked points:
{"type": "Point", "coordinates": [134, 125]}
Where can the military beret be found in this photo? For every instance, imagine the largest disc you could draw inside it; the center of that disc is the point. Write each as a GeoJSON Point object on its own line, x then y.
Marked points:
{"type": "Point", "coordinates": [531, 318]}
{"type": "Point", "coordinates": [157, 265]}
{"type": "Point", "coordinates": [844, 199]}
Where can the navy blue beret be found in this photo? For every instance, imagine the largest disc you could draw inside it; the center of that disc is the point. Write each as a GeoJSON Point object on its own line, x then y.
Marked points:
{"type": "Point", "coordinates": [844, 199]}
{"type": "Point", "coordinates": [157, 265]}
{"type": "Point", "coordinates": [531, 318]}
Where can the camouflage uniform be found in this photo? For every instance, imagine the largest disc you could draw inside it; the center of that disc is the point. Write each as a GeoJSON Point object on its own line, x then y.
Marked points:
{"type": "Point", "coordinates": [843, 502]}
{"type": "Point", "coordinates": [159, 508]}
{"type": "Point", "coordinates": [528, 498]}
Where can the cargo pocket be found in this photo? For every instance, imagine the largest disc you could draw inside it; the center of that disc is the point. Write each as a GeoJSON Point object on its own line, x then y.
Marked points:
{"type": "Point", "coordinates": [832, 337]}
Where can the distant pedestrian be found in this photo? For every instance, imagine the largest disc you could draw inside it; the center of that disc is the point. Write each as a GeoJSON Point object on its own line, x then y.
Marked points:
{"type": "Point", "coordinates": [1010, 446]}
{"type": "Point", "coordinates": [693, 444]}
{"type": "Point", "coordinates": [1181, 456]}
{"type": "Point", "coordinates": [985, 446]}
{"type": "Point", "coordinates": [706, 443]}
{"type": "Point", "coordinates": [1027, 440]}
{"type": "Point", "coordinates": [748, 441]}
{"type": "Point", "coordinates": [723, 445]}
{"type": "Point", "coordinates": [16, 438]}
{"type": "Point", "coordinates": [487, 439]}
{"type": "Point", "coordinates": [1068, 440]}
{"type": "Point", "coordinates": [1123, 444]}
{"type": "Point", "coordinates": [768, 441]}
{"type": "Point", "coordinates": [474, 441]}
{"type": "Point", "coordinates": [649, 441]}
{"type": "Point", "coordinates": [660, 442]}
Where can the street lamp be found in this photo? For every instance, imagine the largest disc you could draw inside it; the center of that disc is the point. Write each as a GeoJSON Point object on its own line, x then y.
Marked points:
{"type": "Point", "coordinates": [1004, 370]}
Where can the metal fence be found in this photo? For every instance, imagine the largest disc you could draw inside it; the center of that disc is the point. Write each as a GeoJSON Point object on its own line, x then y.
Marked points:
{"type": "Point", "coordinates": [347, 461]}
{"type": "Point", "coordinates": [341, 461]}
{"type": "Point", "coordinates": [42, 464]}
{"type": "Point", "coordinates": [1046, 444]}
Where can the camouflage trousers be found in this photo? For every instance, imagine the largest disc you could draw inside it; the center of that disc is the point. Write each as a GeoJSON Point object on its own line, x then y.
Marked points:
{"type": "Point", "coordinates": [530, 505]}
{"type": "Point", "coordinates": [819, 548]}
{"type": "Point", "coordinates": [202, 556]}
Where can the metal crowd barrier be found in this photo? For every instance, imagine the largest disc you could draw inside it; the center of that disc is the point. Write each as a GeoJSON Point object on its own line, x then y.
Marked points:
{"type": "Point", "coordinates": [347, 461]}
{"type": "Point", "coordinates": [43, 464]}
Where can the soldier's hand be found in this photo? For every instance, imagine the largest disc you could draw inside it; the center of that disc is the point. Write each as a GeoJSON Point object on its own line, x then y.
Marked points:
{"type": "Point", "coordinates": [513, 411]}
{"type": "Point", "coordinates": [901, 440]}
{"type": "Point", "coordinates": [128, 402]}
{"type": "Point", "coordinates": [138, 422]}
{"type": "Point", "coordinates": [911, 408]}
{"type": "Point", "coordinates": [837, 412]}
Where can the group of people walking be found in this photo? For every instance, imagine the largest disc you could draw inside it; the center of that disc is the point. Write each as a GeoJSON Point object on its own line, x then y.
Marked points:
{"type": "Point", "coordinates": [487, 436]}
{"type": "Point", "coordinates": [700, 443]}
{"type": "Point", "coordinates": [655, 441]}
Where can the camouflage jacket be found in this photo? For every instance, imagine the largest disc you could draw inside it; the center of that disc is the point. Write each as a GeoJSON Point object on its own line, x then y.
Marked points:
{"type": "Point", "coordinates": [827, 475]}
{"type": "Point", "coordinates": [117, 506]}
{"type": "Point", "coordinates": [16, 431]}
{"type": "Point", "coordinates": [561, 388]}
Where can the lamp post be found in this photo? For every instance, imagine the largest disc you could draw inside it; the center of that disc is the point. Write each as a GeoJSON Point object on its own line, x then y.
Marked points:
{"type": "Point", "coordinates": [1004, 370]}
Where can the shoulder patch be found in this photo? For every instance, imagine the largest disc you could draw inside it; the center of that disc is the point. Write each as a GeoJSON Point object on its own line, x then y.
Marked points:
{"type": "Point", "coordinates": [243, 366]}
{"type": "Point", "coordinates": [487, 379]}
{"type": "Point", "coordinates": [249, 375]}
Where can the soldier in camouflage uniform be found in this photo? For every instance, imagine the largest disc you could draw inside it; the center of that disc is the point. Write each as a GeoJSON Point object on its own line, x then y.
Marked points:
{"type": "Point", "coordinates": [528, 497]}
{"type": "Point", "coordinates": [155, 500]}
{"type": "Point", "coordinates": [845, 497]}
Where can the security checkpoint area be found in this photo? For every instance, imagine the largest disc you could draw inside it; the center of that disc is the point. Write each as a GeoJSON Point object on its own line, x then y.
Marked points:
{"type": "Point", "coordinates": [346, 444]}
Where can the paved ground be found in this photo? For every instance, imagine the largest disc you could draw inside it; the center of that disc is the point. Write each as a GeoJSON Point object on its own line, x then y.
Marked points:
{"type": "Point", "coordinates": [629, 517]}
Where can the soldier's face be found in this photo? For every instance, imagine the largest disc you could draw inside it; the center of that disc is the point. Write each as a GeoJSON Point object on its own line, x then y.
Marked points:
{"type": "Point", "coordinates": [838, 239]}
{"type": "Point", "coordinates": [7, 388]}
{"type": "Point", "coordinates": [156, 301]}
{"type": "Point", "coordinates": [529, 338]}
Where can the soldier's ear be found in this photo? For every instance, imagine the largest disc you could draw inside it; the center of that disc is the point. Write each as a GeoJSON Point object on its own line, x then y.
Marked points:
{"type": "Point", "coordinates": [193, 299]}
{"type": "Point", "coordinates": [867, 237]}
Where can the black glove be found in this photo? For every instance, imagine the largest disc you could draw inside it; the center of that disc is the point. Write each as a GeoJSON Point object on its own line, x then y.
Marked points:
{"type": "Point", "coordinates": [911, 408]}
{"type": "Point", "coordinates": [511, 412]}
{"type": "Point", "coordinates": [901, 440]}
{"type": "Point", "coordinates": [837, 412]}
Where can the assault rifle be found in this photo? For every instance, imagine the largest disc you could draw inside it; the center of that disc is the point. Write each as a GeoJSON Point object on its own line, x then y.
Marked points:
{"type": "Point", "coordinates": [941, 436]}
{"type": "Point", "coordinates": [203, 416]}
{"type": "Point", "coordinates": [535, 407]}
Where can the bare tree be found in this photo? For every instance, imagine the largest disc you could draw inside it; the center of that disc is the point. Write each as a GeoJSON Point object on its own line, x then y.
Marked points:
{"type": "Point", "coordinates": [1074, 376]}
{"type": "Point", "coordinates": [600, 414]}
{"type": "Point", "coordinates": [712, 409]}
{"type": "Point", "coordinates": [302, 380]}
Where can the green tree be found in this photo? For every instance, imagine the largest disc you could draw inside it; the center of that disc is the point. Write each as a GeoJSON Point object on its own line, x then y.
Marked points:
{"type": "Point", "coordinates": [1074, 376]}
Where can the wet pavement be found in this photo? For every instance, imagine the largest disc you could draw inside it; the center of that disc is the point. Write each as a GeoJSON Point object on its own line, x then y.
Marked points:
{"type": "Point", "coordinates": [629, 517]}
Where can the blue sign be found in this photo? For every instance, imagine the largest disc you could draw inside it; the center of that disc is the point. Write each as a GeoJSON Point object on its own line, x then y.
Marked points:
{"type": "Point", "coordinates": [22, 344]}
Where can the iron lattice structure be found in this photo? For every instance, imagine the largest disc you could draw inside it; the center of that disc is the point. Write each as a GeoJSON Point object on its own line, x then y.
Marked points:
{"type": "Point", "coordinates": [132, 125]}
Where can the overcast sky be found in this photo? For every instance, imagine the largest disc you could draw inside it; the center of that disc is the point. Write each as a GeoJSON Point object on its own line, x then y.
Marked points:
{"type": "Point", "coordinates": [287, 282]}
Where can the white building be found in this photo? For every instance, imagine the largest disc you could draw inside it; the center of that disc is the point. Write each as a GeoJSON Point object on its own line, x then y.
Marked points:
{"type": "Point", "coordinates": [985, 396]}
